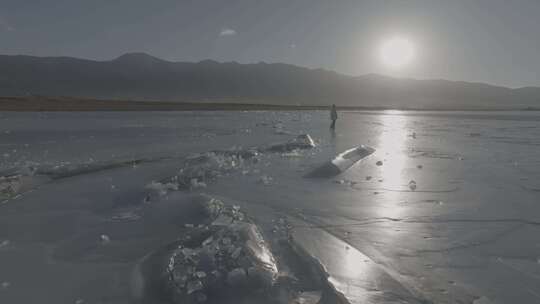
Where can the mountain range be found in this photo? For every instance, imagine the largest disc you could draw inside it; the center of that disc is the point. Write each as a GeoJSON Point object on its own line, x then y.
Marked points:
{"type": "Point", "coordinates": [139, 76]}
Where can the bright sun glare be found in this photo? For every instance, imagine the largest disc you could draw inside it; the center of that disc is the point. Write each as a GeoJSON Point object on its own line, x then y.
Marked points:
{"type": "Point", "coordinates": [396, 52]}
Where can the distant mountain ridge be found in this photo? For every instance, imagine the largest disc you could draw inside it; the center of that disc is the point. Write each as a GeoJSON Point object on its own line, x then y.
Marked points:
{"type": "Point", "coordinates": [139, 76]}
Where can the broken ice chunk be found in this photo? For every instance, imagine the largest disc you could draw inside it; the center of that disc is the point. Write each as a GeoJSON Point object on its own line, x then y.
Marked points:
{"type": "Point", "coordinates": [236, 253]}
{"type": "Point", "coordinates": [196, 184]}
{"type": "Point", "coordinates": [208, 241]}
{"type": "Point", "coordinates": [193, 286]}
{"type": "Point", "coordinates": [222, 220]}
{"type": "Point", "coordinates": [125, 216]}
{"type": "Point", "coordinates": [105, 239]}
{"type": "Point", "coordinates": [187, 252]}
{"type": "Point", "coordinates": [265, 180]}
{"type": "Point", "coordinates": [226, 241]}
{"type": "Point", "coordinates": [161, 188]}
{"type": "Point", "coordinates": [200, 274]}
{"type": "Point", "coordinates": [180, 279]}
{"type": "Point", "coordinates": [304, 141]}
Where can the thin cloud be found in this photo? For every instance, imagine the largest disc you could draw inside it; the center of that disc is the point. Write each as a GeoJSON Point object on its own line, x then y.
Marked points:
{"type": "Point", "coordinates": [227, 32]}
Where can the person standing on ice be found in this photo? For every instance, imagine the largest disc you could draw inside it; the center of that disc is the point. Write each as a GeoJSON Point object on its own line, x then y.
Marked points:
{"type": "Point", "coordinates": [333, 116]}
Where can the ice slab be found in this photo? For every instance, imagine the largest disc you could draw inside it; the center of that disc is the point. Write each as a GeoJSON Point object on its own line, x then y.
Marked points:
{"type": "Point", "coordinates": [342, 162]}
{"type": "Point", "coordinates": [354, 277]}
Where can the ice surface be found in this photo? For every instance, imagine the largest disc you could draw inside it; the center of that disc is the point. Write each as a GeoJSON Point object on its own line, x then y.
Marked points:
{"type": "Point", "coordinates": [481, 242]}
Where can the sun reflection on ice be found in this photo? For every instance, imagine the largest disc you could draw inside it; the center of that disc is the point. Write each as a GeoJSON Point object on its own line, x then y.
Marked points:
{"type": "Point", "coordinates": [391, 147]}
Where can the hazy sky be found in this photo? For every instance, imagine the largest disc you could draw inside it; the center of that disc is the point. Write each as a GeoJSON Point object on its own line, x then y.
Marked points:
{"type": "Point", "coordinates": [494, 41]}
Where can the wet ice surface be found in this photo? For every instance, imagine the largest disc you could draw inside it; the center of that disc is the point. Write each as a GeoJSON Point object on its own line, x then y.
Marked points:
{"type": "Point", "coordinates": [468, 230]}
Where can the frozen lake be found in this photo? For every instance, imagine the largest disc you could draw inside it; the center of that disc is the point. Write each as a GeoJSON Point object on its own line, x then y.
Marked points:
{"type": "Point", "coordinates": [452, 213]}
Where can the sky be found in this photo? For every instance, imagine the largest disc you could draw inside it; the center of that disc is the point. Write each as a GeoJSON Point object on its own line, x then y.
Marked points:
{"type": "Point", "coordinates": [491, 41]}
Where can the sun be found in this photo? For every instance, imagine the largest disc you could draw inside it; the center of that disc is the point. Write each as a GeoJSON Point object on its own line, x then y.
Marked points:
{"type": "Point", "coordinates": [397, 52]}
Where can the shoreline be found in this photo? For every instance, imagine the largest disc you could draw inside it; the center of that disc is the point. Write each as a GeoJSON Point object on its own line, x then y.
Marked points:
{"type": "Point", "coordinates": [72, 104]}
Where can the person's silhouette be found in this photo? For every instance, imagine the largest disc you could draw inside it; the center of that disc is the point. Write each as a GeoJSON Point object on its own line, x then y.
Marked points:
{"type": "Point", "coordinates": [333, 116]}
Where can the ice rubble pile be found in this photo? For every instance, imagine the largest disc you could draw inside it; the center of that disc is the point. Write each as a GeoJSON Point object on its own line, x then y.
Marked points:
{"type": "Point", "coordinates": [10, 185]}
{"type": "Point", "coordinates": [17, 180]}
{"type": "Point", "coordinates": [201, 168]}
{"type": "Point", "coordinates": [161, 188]}
{"type": "Point", "coordinates": [227, 255]}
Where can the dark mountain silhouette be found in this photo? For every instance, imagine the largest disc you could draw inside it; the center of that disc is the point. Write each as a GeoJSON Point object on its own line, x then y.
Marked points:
{"type": "Point", "coordinates": [138, 76]}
